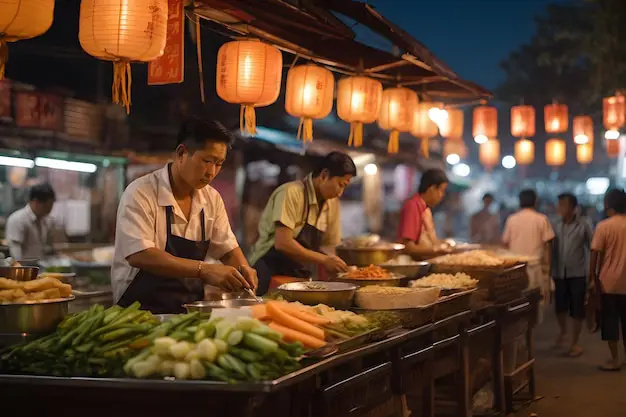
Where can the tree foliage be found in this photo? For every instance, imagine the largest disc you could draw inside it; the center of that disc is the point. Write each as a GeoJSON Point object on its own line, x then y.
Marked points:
{"type": "Point", "coordinates": [577, 56]}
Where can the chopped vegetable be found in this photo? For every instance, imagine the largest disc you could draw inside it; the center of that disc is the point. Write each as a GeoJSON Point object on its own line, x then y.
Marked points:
{"type": "Point", "coordinates": [179, 350]}
{"type": "Point", "coordinates": [296, 336]}
{"type": "Point", "coordinates": [182, 370]}
{"type": "Point", "coordinates": [278, 315]}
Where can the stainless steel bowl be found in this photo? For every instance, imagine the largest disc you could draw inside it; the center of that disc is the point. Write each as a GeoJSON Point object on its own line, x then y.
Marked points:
{"type": "Point", "coordinates": [208, 306]}
{"type": "Point", "coordinates": [19, 273]}
{"type": "Point", "coordinates": [412, 271]}
{"type": "Point", "coordinates": [33, 316]}
{"type": "Point", "coordinates": [366, 256]}
{"type": "Point", "coordinates": [216, 295]}
{"type": "Point", "coordinates": [334, 294]}
{"type": "Point", "coordinates": [392, 281]}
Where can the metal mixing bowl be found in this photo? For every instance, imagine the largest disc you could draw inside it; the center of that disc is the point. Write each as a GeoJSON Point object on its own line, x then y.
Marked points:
{"type": "Point", "coordinates": [366, 256]}
{"type": "Point", "coordinates": [334, 294]}
{"type": "Point", "coordinates": [212, 295]}
{"type": "Point", "coordinates": [33, 316]}
{"type": "Point", "coordinates": [19, 273]}
{"type": "Point", "coordinates": [412, 271]}
{"type": "Point", "coordinates": [392, 281]}
{"type": "Point", "coordinates": [208, 306]}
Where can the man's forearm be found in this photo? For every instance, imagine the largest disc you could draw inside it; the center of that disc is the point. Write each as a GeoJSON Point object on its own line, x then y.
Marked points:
{"type": "Point", "coordinates": [235, 258]}
{"type": "Point", "coordinates": [297, 252]}
{"type": "Point", "coordinates": [420, 250]}
{"type": "Point", "coordinates": [161, 263]}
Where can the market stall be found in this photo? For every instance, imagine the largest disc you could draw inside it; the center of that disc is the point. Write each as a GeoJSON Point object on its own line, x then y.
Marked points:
{"type": "Point", "coordinates": [380, 361]}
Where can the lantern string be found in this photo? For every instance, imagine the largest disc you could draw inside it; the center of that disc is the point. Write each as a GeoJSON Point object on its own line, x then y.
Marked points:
{"type": "Point", "coordinates": [356, 134]}
{"type": "Point", "coordinates": [4, 57]}
{"type": "Point", "coordinates": [394, 142]}
{"type": "Point", "coordinates": [305, 129]}
{"type": "Point", "coordinates": [247, 119]}
{"type": "Point", "coordinates": [425, 148]}
{"type": "Point", "coordinates": [122, 82]}
{"type": "Point", "coordinates": [199, 54]}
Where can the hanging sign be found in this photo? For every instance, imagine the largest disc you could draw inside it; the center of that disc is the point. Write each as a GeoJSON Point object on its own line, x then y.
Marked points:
{"type": "Point", "coordinates": [27, 110]}
{"type": "Point", "coordinates": [5, 100]}
{"type": "Point", "coordinates": [50, 112]}
{"type": "Point", "coordinates": [170, 67]}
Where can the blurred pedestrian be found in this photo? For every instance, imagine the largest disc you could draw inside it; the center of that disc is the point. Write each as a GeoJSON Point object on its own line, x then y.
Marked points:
{"type": "Point", "coordinates": [607, 274]}
{"type": "Point", "coordinates": [570, 252]}
{"type": "Point", "coordinates": [485, 225]}
{"type": "Point", "coordinates": [530, 233]}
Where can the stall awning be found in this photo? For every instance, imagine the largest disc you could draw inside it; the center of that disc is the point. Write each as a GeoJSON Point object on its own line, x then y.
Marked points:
{"type": "Point", "coordinates": [314, 32]}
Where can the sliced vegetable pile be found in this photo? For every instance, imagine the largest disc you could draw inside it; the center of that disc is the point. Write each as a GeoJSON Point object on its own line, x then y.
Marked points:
{"type": "Point", "coordinates": [218, 349]}
{"type": "Point", "coordinates": [95, 342]}
{"type": "Point", "coordinates": [312, 326]}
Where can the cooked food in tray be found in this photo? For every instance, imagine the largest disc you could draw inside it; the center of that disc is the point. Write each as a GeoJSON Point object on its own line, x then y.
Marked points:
{"type": "Point", "coordinates": [471, 258]}
{"type": "Point", "coordinates": [369, 272]}
{"type": "Point", "coordinates": [40, 289]}
{"type": "Point", "coordinates": [445, 281]}
{"type": "Point", "coordinates": [402, 260]}
{"type": "Point", "coordinates": [391, 298]}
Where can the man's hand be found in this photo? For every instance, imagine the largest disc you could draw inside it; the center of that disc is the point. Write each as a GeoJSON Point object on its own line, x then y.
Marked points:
{"type": "Point", "coordinates": [335, 264]}
{"type": "Point", "coordinates": [223, 276]}
{"type": "Point", "coordinates": [250, 275]}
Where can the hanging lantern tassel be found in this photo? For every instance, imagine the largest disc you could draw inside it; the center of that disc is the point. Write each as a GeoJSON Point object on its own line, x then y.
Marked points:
{"type": "Point", "coordinates": [305, 130]}
{"type": "Point", "coordinates": [356, 134]}
{"type": "Point", "coordinates": [247, 119]}
{"type": "Point", "coordinates": [425, 147]}
{"type": "Point", "coordinates": [122, 82]}
{"type": "Point", "coordinates": [394, 142]}
{"type": "Point", "coordinates": [4, 57]}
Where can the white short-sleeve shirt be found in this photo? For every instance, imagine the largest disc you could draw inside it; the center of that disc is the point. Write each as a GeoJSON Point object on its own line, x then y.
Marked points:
{"type": "Point", "coordinates": [26, 239]}
{"type": "Point", "coordinates": [141, 224]}
{"type": "Point", "coordinates": [526, 232]}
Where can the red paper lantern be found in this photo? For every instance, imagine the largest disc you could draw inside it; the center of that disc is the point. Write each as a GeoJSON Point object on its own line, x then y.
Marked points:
{"type": "Point", "coordinates": [613, 148]}
{"type": "Point", "coordinates": [485, 123]}
{"type": "Point", "coordinates": [583, 130]}
{"type": "Point", "coordinates": [555, 152]}
{"type": "Point", "coordinates": [452, 127]}
{"type": "Point", "coordinates": [614, 112]}
{"type": "Point", "coordinates": [556, 118]}
{"type": "Point", "coordinates": [523, 121]}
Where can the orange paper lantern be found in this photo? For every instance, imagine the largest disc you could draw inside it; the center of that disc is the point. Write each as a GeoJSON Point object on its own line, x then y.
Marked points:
{"type": "Point", "coordinates": [423, 126]}
{"type": "Point", "coordinates": [309, 95]}
{"type": "Point", "coordinates": [613, 148]}
{"type": "Point", "coordinates": [123, 32]}
{"type": "Point", "coordinates": [22, 19]}
{"type": "Point", "coordinates": [452, 127]}
{"type": "Point", "coordinates": [452, 146]}
{"type": "Point", "coordinates": [583, 130]}
{"type": "Point", "coordinates": [396, 114]}
{"type": "Point", "coordinates": [489, 153]}
{"type": "Point", "coordinates": [524, 152]}
{"type": "Point", "coordinates": [523, 121]}
{"type": "Point", "coordinates": [614, 114]}
{"type": "Point", "coordinates": [584, 153]}
{"type": "Point", "coordinates": [358, 102]}
{"type": "Point", "coordinates": [555, 152]}
{"type": "Point", "coordinates": [485, 123]}
{"type": "Point", "coordinates": [556, 118]}
{"type": "Point", "coordinates": [249, 73]}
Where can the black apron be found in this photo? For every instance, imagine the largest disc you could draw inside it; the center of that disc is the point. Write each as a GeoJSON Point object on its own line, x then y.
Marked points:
{"type": "Point", "coordinates": [163, 295]}
{"type": "Point", "coordinates": [276, 263]}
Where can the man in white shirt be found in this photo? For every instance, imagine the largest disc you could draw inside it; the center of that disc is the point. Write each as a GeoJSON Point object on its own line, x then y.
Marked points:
{"type": "Point", "coordinates": [170, 222]}
{"type": "Point", "coordinates": [28, 229]}
{"type": "Point", "coordinates": [530, 233]}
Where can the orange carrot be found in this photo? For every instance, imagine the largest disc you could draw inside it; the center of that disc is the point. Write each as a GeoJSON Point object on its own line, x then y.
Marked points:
{"type": "Point", "coordinates": [291, 335]}
{"type": "Point", "coordinates": [304, 315]}
{"type": "Point", "coordinates": [259, 311]}
{"type": "Point", "coordinates": [277, 314]}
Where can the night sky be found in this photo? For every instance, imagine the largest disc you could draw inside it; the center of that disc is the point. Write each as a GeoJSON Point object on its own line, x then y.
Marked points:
{"type": "Point", "coordinates": [471, 36]}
